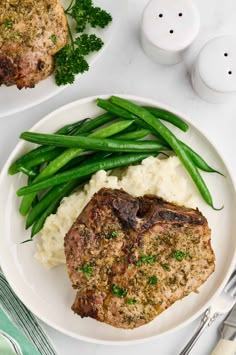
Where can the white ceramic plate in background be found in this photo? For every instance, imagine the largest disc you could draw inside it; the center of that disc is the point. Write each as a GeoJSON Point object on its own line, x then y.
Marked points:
{"type": "Point", "coordinates": [48, 294]}
{"type": "Point", "coordinates": [13, 100]}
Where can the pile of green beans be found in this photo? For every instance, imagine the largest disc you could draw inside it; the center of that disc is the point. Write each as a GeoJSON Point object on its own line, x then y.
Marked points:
{"type": "Point", "coordinates": [174, 143]}
{"type": "Point", "coordinates": [67, 158]}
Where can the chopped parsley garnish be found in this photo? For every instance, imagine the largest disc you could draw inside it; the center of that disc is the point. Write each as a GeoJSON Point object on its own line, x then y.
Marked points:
{"type": "Point", "coordinates": [146, 259]}
{"type": "Point", "coordinates": [166, 266]}
{"type": "Point", "coordinates": [54, 38]}
{"type": "Point", "coordinates": [15, 36]}
{"type": "Point", "coordinates": [8, 24]}
{"type": "Point", "coordinates": [118, 291]}
{"type": "Point", "coordinates": [179, 255]}
{"type": "Point", "coordinates": [86, 269]}
{"type": "Point", "coordinates": [130, 301]}
{"type": "Point", "coordinates": [70, 60]}
{"type": "Point", "coordinates": [112, 234]}
{"type": "Point", "coordinates": [152, 280]}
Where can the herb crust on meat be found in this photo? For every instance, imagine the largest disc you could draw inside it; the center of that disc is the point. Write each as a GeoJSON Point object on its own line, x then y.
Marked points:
{"type": "Point", "coordinates": [31, 32]}
{"type": "Point", "coordinates": [131, 258]}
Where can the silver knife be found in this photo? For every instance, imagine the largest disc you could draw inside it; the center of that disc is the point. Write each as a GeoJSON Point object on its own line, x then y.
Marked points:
{"type": "Point", "coordinates": [227, 343]}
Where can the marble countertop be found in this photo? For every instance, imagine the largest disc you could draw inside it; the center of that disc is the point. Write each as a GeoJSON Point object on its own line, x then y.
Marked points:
{"type": "Point", "coordinates": [125, 69]}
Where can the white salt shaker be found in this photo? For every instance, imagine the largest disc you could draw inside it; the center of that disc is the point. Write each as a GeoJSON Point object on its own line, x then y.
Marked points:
{"type": "Point", "coordinates": [214, 72]}
{"type": "Point", "coordinates": [168, 27]}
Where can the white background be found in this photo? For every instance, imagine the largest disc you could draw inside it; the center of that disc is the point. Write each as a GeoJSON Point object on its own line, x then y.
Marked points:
{"type": "Point", "coordinates": [124, 69]}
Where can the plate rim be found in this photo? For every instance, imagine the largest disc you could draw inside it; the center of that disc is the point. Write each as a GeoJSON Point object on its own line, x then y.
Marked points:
{"type": "Point", "coordinates": [148, 101]}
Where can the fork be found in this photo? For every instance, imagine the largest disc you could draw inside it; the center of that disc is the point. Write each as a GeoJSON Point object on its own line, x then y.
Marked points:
{"type": "Point", "coordinates": [221, 304]}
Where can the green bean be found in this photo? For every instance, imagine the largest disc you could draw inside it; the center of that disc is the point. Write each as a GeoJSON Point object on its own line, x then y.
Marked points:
{"type": "Point", "coordinates": [37, 152]}
{"type": "Point", "coordinates": [34, 170]}
{"type": "Point", "coordinates": [94, 123]}
{"type": "Point", "coordinates": [30, 177]}
{"type": "Point", "coordinates": [75, 162]}
{"type": "Point", "coordinates": [137, 134]}
{"type": "Point", "coordinates": [85, 170]}
{"type": "Point", "coordinates": [68, 129]}
{"type": "Point", "coordinates": [172, 141]}
{"type": "Point", "coordinates": [194, 156]}
{"type": "Point", "coordinates": [46, 157]}
{"type": "Point", "coordinates": [112, 145]}
{"type": "Point", "coordinates": [27, 171]}
{"type": "Point", "coordinates": [110, 107]}
{"type": "Point", "coordinates": [83, 159]}
{"type": "Point", "coordinates": [97, 156]}
{"type": "Point", "coordinates": [67, 156]}
{"type": "Point", "coordinates": [168, 117]}
{"type": "Point", "coordinates": [38, 225]}
{"type": "Point", "coordinates": [198, 160]}
{"type": "Point", "coordinates": [43, 154]}
{"type": "Point", "coordinates": [64, 190]}
{"type": "Point", "coordinates": [157, 112]}
{"type": "Point", "coordinates": [56, 193]}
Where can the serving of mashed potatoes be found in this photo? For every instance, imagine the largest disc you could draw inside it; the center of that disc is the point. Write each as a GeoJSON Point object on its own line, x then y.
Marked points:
{"type": "Point", "coordinates": [165, 178]}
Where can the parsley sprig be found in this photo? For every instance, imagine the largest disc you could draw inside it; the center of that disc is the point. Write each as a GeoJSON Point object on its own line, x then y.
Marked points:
{"type": "Point", "coordinates": [84, 13]}
{"type": "Point", "coordinates": [70, 60]}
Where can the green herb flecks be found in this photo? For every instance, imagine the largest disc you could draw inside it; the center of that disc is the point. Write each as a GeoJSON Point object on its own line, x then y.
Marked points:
{"type": "Point", "coordinates": [130, 301]}
{"type": "Point", "coordinates": [179, 255]}
{"type": "Point", "coordinates": [8, 24]}
{"type": "Point", "coordinates": [70, 60]}
{"type": "Point", "coordinates": [15, 36]}
{"type": "Point", "coordinates": [86, 269]}
{"type": "Point", "coordinates": [152, 280]}
{"type": "Point", "coordinates": [112, 234]}
{"type": "Point", "coordinates": [53, 39]}
{"type": "Point", "coordinates": [118, 291]}
{"type": "Point", "coordinates": [146, 259]}
{"type": "Point", "coordinates": [166, 266]}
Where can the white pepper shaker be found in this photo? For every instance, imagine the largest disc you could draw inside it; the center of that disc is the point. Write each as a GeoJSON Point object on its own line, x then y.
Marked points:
{"type": "Point", "coordinates": [168, 27]}
{"type": "Point", "coordinates": [214, 72]}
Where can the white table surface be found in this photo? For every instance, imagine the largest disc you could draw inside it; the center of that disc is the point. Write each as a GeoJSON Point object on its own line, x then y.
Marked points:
{"type": "Point", "coordinates": [124, 69]}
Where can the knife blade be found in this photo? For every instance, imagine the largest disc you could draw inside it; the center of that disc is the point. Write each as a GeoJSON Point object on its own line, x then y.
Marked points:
{"type": "Point", "coordinates": [227, 343]}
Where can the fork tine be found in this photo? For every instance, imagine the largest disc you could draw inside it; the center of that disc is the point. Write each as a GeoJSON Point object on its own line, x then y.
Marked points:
{"type": "Point", "coordinates": [231, 284]}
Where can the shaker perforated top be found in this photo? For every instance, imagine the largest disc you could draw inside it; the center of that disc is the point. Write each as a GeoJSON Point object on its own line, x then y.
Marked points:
{"type": "Point", "coordinates": [169, 26]}
{"type": "Point", "coordinates": [214, 72]}
{"type": "Point", "coordinates": [217, 63]}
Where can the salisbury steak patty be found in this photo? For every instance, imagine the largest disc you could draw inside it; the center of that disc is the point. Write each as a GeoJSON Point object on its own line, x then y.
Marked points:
{"type": "Point", "coordinates": [131, 258]}
{"type": "Point", "coordinates": [31, 32]}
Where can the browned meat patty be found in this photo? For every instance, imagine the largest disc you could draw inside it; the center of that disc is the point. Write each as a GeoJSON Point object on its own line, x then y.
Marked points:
{"type": "Point", "coordinates": [131, 258]}
{"type": "Point", "coordinates": [31, 32]}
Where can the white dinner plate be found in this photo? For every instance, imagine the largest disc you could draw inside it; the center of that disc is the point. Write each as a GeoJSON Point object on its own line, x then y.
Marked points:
{"type": "Point", "coordinates": [49, 295]}
{"type": "Point", "coordinates": [13, 100]}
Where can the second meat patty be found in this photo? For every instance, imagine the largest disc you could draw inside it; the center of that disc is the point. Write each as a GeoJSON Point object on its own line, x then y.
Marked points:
{"type": "Point", "coordinates": [31, 32]}
{"type": "Point", "coordinates": [132, 258]}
